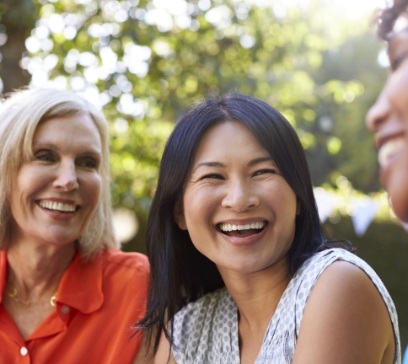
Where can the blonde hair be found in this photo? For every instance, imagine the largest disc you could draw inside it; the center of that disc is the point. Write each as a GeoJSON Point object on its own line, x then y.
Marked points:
{"type": "Point", "coordinates": [20, 114]}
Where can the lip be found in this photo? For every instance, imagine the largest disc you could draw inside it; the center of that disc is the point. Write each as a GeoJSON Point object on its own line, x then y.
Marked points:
{"type": "Point", "coordinates": [243, 241]}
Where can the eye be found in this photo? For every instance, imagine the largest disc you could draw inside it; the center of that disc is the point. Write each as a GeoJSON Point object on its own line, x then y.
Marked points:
{"type": "Point", "coordinates": [264, 171]}
{"type": "Point", "coordinates": [88, 162]}
{"type": "Point", "coordinates": [45, 155]}
{"type": "Point", "coordinates": [212, 176]}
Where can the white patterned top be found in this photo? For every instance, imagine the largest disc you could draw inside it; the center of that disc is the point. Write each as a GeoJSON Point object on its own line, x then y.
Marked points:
{"type": "Point", "coordinates": [206, 331]}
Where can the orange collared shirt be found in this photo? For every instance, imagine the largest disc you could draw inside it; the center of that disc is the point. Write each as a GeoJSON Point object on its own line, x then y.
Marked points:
{"type": "Point", "coordinates": [97, 303]}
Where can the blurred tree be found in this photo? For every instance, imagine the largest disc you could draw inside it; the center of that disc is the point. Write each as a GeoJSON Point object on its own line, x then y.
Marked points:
{"type": "Point", "coordinates": [343, 102]}
{"type": "Point", "coordinates": [17, 18]}
{"type": "Point", "coordinates": [146, 61]}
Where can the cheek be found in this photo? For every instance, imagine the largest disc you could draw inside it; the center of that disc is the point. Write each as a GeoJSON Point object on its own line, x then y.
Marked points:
{"type": "Point", "coordinates": [93, 190]}
{"type": "Point", "coordinates": [26, 184]}
{"type": "Point", "coordinates": [398, 91]}
{"type": "Point", "coordinates": [195, 204]}
{"type": "Point", "coordinates": [285, 199]}
{"type": "Point", "coordinates": [190, 215]}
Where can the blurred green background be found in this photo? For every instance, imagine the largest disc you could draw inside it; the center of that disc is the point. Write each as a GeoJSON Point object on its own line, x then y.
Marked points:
{"type": "Point", "coordinates": [146, 61]}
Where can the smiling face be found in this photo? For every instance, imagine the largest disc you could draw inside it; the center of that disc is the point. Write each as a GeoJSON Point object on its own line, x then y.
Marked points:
{"type": "Point", "coordinates": [55, 193]}
{"type": "Point", "coordinates": [238, 209]}
{"type": "Point", "coordinates": [388, 118]}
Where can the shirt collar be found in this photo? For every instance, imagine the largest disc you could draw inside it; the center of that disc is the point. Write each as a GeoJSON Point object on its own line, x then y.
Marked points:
{"type": "Point", "coordinates": [81, 285]}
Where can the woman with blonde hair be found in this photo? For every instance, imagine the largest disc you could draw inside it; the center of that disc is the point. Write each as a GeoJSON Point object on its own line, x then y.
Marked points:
{"type": "Point", "coordinates": [64, 294]}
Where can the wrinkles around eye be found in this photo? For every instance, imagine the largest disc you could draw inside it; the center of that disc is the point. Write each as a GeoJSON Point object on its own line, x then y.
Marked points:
{"type": "Point", "coordinates": [265, 171]}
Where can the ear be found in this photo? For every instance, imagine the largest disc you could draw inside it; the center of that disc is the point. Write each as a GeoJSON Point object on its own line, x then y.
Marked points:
{"type": "Point", "coordinates": [179, 215]}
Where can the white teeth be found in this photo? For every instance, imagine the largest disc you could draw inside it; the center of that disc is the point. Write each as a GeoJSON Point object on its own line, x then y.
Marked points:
{"type": "Point", "coordinates": [232, 227]}
{"type": "Point", "coordinates": [388, 150]}
{"type": "Point", "coordinates": [57, 206]}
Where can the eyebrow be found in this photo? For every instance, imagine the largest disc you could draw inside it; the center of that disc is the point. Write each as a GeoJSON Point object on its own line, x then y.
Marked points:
{"type": "Point", "coordinates": [251, 163]}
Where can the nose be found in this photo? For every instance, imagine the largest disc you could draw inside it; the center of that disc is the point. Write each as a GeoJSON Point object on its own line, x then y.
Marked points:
{"type": "Point", "coordinates": [240, 196]}
{"type": "Point", "coordinates": [66, 179]}
{"type": "Point", "coordinates": [378, 113]}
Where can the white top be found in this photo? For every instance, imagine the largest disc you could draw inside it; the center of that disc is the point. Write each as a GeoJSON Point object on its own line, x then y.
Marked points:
{"type": "Point", "coordinates": [206, 331]}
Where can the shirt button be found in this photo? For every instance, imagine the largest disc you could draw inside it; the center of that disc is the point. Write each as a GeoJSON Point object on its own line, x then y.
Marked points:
{"type": "Point", "coordinates": [64, 309]}
{"type": "Point", "coordinates": [23, 351]}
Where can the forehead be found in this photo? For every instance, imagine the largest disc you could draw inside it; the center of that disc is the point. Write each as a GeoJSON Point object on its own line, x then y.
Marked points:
{"type": "Point", "coordinates": [228, 140]}
{"type": "Point", "coordinates": [221, 133]}
{"type": "Point", "coordinates": [75, 129]}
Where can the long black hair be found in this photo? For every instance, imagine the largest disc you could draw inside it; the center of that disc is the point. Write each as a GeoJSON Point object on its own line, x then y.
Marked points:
{"type": "Point", "coordinates": [179, 272]}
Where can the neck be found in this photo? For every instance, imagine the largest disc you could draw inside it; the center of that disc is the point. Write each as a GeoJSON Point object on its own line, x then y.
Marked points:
{"type": "Point", "coordinates": [257, 294]}
{"type": "Point", "coordinates": [36, 272]}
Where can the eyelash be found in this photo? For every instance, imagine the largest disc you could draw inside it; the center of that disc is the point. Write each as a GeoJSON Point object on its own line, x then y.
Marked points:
{"type": "Point", "coordinates": [212, 176]}
{"type": "Point", "coordinates": [266, 170]}
{"type": "Point", "coordinates": [257, 173]}
{"type": "Point", "coordinates": [88, 163]}
{"type": "Point", "coordinates": [44, 155]}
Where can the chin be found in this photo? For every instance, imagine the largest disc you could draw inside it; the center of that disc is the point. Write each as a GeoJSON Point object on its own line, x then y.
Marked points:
{"type": "Point", "coordinates": [403, 217]}
{"type": "Point", "coordinates": [397, 188]}
{"type": "Point", "coordinates": [399, 205]}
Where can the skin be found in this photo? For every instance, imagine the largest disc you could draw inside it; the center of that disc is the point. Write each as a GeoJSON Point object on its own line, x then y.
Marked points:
{"type": "Point", "coordinates": [345, 321]}
{"type": "Point", "coordinates": [234, 180]}
{"type": "Point", "coordinates": [388, 119]}
{"type": "Point", "coordinates": [64, 170]}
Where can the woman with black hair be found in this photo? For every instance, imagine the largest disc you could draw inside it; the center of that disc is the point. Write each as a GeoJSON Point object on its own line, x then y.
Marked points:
{"type": "Point", "coordinates": [241, 270]}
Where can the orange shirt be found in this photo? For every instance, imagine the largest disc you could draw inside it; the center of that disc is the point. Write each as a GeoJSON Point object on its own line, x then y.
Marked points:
{"type": "Point", "coordinates": [97, 302]}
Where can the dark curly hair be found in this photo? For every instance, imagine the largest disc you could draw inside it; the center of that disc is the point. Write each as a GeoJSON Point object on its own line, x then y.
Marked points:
{"type": "Point", "coordinates": [387, 17]}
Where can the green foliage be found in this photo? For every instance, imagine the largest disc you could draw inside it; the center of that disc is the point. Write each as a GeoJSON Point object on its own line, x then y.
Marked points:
{"type": "Point", "coordinates": [147, 62]}
{"type": "Point", "coordinates": [17, 14]}
{"type": "Point", "coordinates": [343, 103]}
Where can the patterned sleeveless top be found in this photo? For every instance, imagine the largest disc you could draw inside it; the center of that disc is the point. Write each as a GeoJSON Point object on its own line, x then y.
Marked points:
{"type": "Point", "coordinates": [206, 331]}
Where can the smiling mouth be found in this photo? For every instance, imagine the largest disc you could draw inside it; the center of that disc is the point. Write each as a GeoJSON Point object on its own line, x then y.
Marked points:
{"type": "Point", "coordinates": [58, 206]}
{"type": "Point", "coordinates": [242, 230]}
{"type": "Point", "coordinates": [389, 150]}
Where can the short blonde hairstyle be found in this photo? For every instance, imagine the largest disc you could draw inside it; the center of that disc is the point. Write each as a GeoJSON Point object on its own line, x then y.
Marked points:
{"type": "Point", "coordinates": [20, 114]}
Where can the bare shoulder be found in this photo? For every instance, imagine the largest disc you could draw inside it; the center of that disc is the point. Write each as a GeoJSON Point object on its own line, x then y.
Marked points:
{"type": "Point", "coordinates": [345, 307]}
